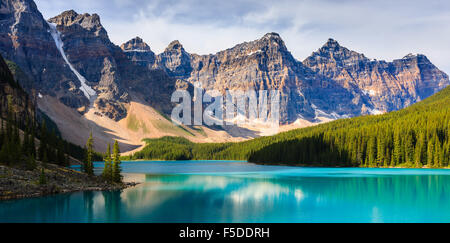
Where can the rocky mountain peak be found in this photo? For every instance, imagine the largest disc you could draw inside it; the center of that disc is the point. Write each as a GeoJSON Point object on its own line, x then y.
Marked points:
{"type": "Point", "coordinates": [272, 38]}
{"type": "Point", "coordinates": [388, 85]}
{"type": "Point", "coordinates": [175, 60]}
{"type": "Point", "coordinates": [333, 52]}
{"type": "Point", "coordinates": [175, 45]}
{"type": "Point", "coordinates": [135, 44]}
{"type": "Point", "coordinates": [270, 44]}
{"type": "Point", "coordinates": [272, 35]}
{"type": "Point", "coordinates": [415, 56]}
{"type": "Point", "coordinates": [331, 43]}
{"type": "Point", "coordinates": [71, 14]}
{"type": "Point", "coordinates": [72, 19]}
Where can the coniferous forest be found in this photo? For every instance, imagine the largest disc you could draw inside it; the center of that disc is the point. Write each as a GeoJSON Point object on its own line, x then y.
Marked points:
{"type": "Point", "coordinates": [26, 134]}
{"type": "Point", "coordinates": [418, 136]}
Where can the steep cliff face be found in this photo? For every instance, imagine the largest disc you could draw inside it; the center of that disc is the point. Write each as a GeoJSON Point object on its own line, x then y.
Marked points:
{"type": "Point", "coordinates": [25, 39]}
{"type": "Point", "coordinates": [266, 64]}
{"type": "Point", "coordinates": [139, 52]}
{"type": "Point", "coordinates": [333, 82]}
{"type": "Point", "coordinates": [106, 66]}
{"type": "Point", "coordinates": [71, 57]}
{"type": "Point", "coordinates": [73, 60]}
{"type": "Point", "coordinates": [175, 61]}
{"type": "Point", "coordinates": [88, 49]}
{"type": "Point", "coordinates": [388, 85]}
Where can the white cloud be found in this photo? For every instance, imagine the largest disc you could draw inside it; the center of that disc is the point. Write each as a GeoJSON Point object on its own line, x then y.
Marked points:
{"type": "Point", "coordinates": [379, 29]}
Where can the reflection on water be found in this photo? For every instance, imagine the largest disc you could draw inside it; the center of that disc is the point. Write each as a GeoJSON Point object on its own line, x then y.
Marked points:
{"type": "Point", "coordinates": [309, 195]}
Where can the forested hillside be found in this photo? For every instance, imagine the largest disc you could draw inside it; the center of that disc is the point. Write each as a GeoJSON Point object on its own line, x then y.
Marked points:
{"type": "Point", "coordinates": [417, 136]}
{"type": "Point", "coordinates": [18, 116]}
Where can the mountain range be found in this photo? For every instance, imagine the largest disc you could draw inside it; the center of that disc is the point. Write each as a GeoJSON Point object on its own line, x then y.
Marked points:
{"type": "Point", "coordinates": [85, 83]}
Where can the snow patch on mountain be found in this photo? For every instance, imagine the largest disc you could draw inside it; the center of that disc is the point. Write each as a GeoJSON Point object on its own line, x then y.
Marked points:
{"type": "Point", "coordinates": [136, 50]}
{"type": "Point", "coordinates": [320, 113]}
{"type": "Point", "coordinates": [86, 89]}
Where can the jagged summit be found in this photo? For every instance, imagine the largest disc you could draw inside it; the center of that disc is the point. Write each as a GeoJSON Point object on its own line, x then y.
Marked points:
{"type": "Point", "coordinates": [271, 41]}
{"type": "Point", "coordinates": [272, 35]}
{"type": "Point", "coordinates": [387, 83]}
{"type": "Point", "coordinates": [70, 12]}
{"type": "Point", "coordinates": [414, 55]}
{"type": "Point", "coordinates": [331, 42]}
{"type": "Point", "coordinates": [90, 22]}
{"type": "Point", "coordinates": [71, 15]}
{"type": "Point", "coordinates": [334, 80]}
{"type": "Point", "coordinates": [332, 50]}
{"type": "Point", "coordinates": [175, 45]}
{"type": "Point", "coordinates": [135, 44]}
{"type": "Point", "coordinates": [332, 45]}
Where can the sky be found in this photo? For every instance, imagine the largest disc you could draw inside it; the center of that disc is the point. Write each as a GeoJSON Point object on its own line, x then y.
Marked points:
{"type": "Point", "coordinates": [381, 29]}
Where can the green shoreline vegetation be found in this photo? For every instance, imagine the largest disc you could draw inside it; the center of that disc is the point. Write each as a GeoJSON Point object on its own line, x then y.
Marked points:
{"type": "Point", "coordinates": [414, 137]}
{"type": "Point", "coordinates": [34, 158]}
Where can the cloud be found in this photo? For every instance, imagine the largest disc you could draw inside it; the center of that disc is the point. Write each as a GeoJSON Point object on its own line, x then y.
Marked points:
{"type": "Point", "coordinates": [380, 29]}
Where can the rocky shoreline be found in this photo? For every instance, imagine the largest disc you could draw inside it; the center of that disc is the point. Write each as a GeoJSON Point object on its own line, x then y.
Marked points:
{"type": "Point", "coordinates": [16, 183]}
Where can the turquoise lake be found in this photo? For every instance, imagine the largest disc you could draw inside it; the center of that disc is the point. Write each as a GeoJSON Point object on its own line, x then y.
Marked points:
{"type": "Point", "coordinates": [237, 191]}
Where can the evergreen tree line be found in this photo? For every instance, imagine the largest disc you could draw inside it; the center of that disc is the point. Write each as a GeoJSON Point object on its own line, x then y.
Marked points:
{"type": "Point", "coordinates": [414, 137]}
{"type": "Point", "coordinates": [417, 136]}
{"type": "Point", "coordinates": [112, 168]}
{"type": "Point", "coordinates": [372, 146]}
{"type": "Point", "coordinates": [14, 148]}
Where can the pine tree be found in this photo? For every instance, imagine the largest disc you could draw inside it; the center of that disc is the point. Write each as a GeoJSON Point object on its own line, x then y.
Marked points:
{"type": "Point", "coordinates": [409, 149]}
{"type": "Point", "coordinates": [31, 163]}
{"type": "Point", "coordinates": [397, 148]}
{"type": "Point", "coordinates": [117, 177]}
{"type": "Point", "coordinates": [43, 141]}
{"type": "Point", "coordinates": [42, 178]}
{"type": "Point", "coordinates": [430, 153]}
{"type": "Point", "coordinates": [15, 143]}
{"type": "Point", "coordinates": [4, 153]}
{"type": "Point", "coordinates": [107, 170]}
{"type": "Point", "coordinates": [88, 166]}
{"type": "Point", "coordinates": [44, 159]}
{"type": "Point", "coordinates": [2, 132]}
{"type": "Point", "coordinates": [380, 150]}
{"type": "Point", "coordinates": [61, 159]}
{"type": "Point", "coordinates": [25, 144]}
{"type": "Point", "coordinates": [371, 151]}
{"type": "Point", "coordinates": [32, 144]}
{"type": "Point", "coordinates": [419, 151]}
{"type": "Point", "coordinates": [387, 160]}
{"type": "Point", "coordinates": [437, 154]}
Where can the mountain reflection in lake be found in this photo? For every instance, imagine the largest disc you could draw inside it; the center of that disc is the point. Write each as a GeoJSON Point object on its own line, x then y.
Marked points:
{"type": "Point", "coordinates": [281, 194]}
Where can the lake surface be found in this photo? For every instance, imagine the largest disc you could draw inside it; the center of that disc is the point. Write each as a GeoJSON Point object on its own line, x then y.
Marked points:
{"type": "Point", "coordinates": [235, 191]}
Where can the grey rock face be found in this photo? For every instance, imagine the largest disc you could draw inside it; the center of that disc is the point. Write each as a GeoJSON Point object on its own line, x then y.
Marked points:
{"type": "Point", "coordinates": [89, 50]}
{"type": "Point", "coordinates": [334, 81]}
{"type": "Point", "coordinates": [388, 85]}
{"type": "Point", "coordinates": [175, 60]}
{"type": "Point", "coordinates": [139, 52]}
{"type": "Point", "coordinates": [25, 40]}
{"type": "Point", "coordinates": [265, 64]}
